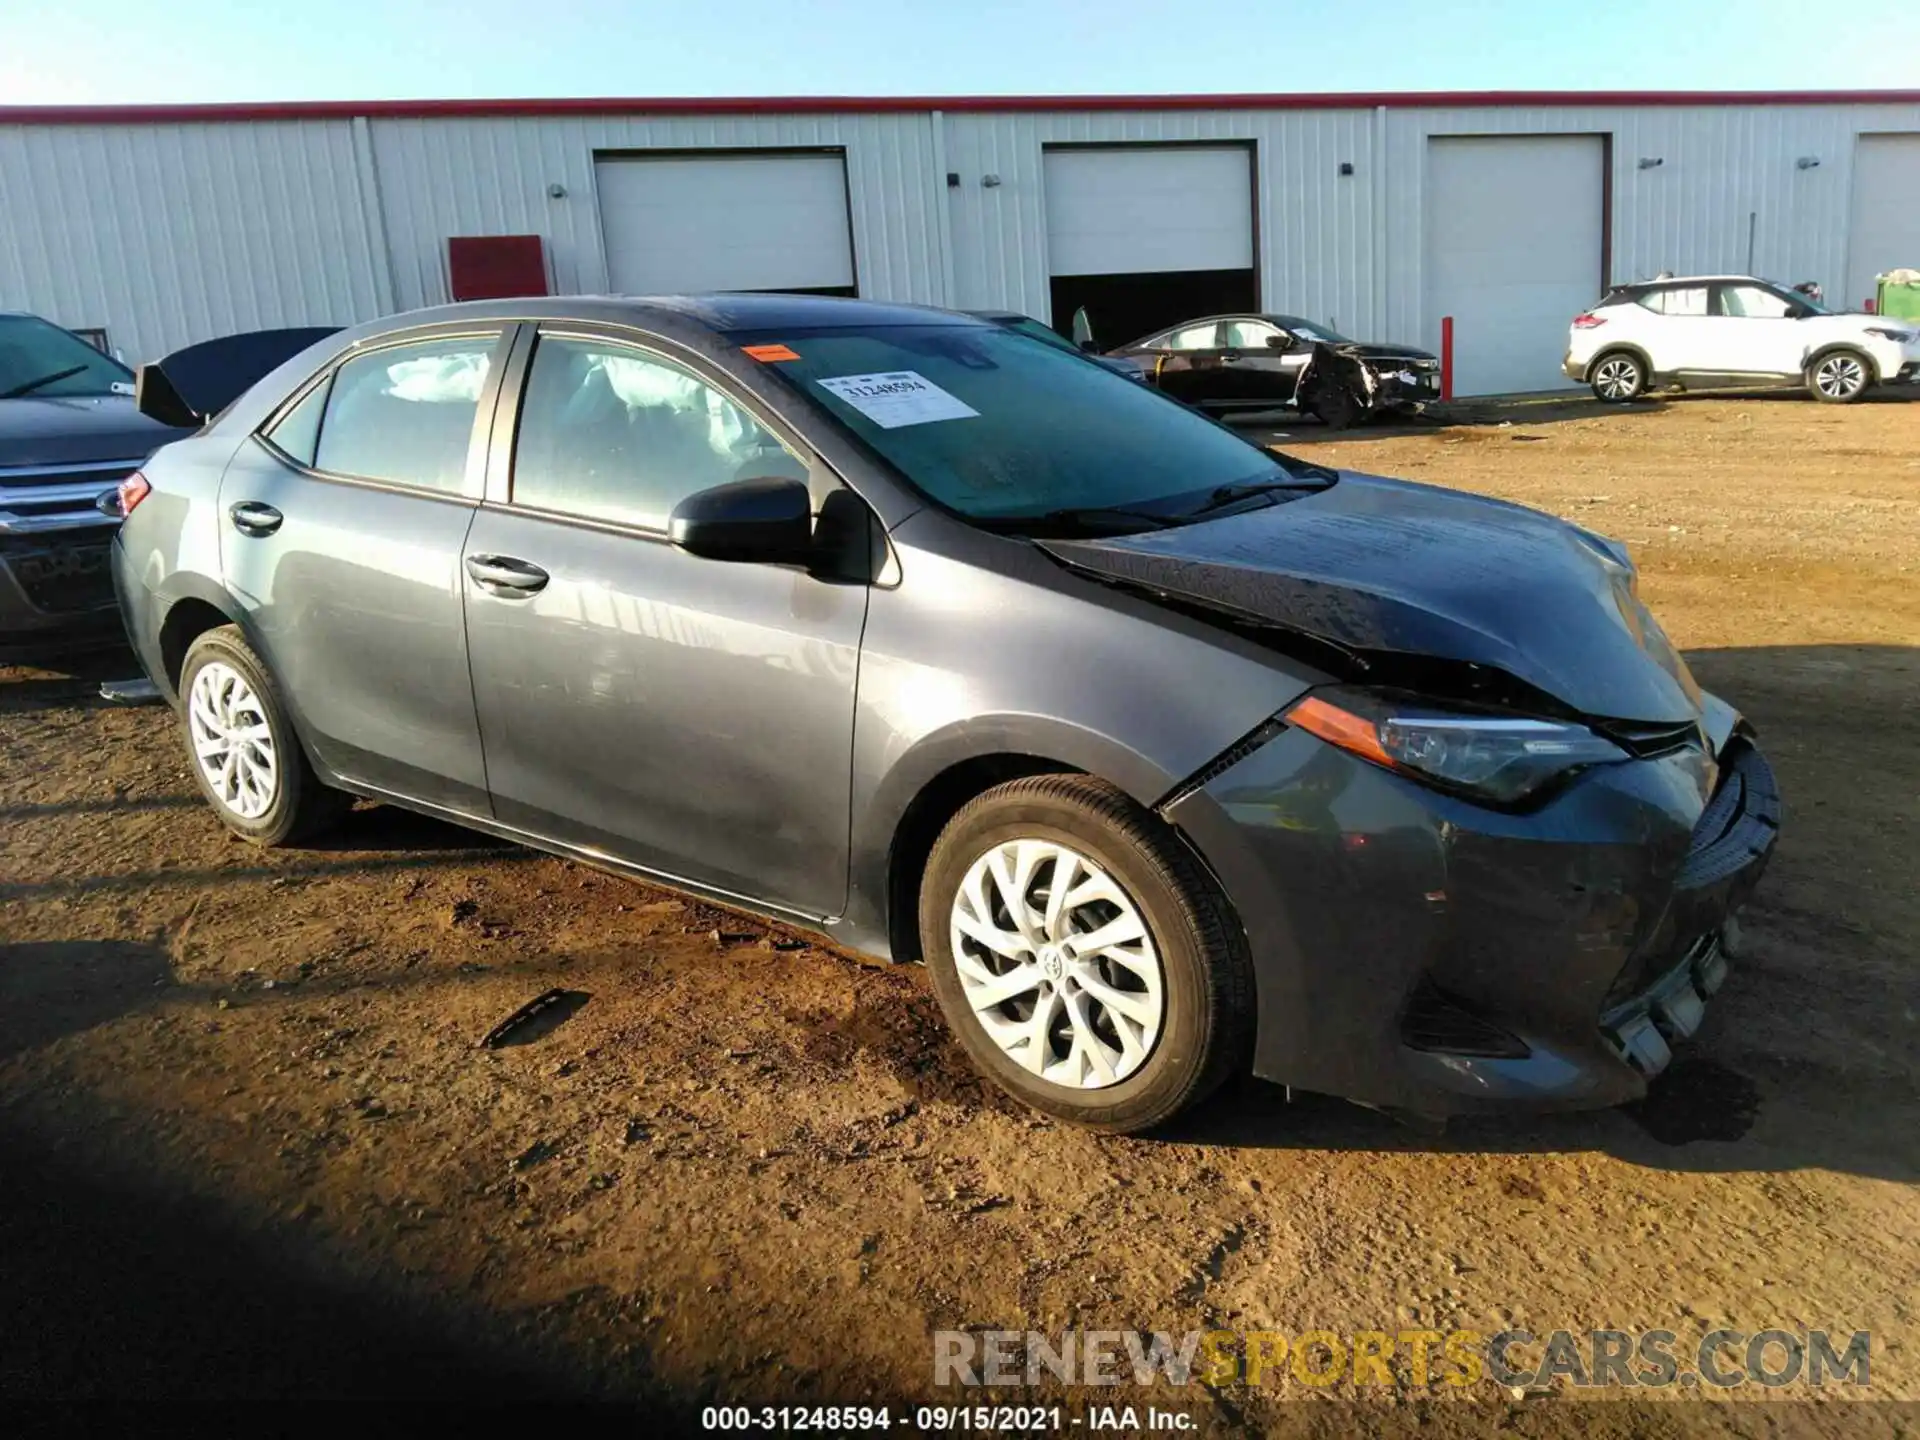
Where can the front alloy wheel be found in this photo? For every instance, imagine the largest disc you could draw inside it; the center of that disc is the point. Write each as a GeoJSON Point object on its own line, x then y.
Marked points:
{"type": "Point", "coordinates": [1057, 964]}
{"type": "Point", "coordinates": [1838, 378]}
{"type": "Point", "coordinates": [1085, 959]}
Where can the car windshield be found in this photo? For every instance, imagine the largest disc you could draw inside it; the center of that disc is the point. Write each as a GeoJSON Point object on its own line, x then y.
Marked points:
{"type": "Point", "coordinates": [38, 358]}
{"type": "Point", "coordinates": [1046, 334]}
{"type": "Point", "coordinates": [1003, 429]}
{"type": "Point", "coordinates": [1316, 332]}
{"type": "Point", "coordinates": [1797, 297]}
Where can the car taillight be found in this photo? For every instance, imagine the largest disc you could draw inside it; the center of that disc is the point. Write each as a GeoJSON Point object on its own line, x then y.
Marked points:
{"type": "Point", "coordinates": [1587, 322]}
{"type": "Point", "coordinates": [133, 490]}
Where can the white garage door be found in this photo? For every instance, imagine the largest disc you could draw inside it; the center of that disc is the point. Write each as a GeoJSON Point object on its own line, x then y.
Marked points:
{"type": "Point", "coordinates": [1513, 238]}
{"type": "Point", "coordinates": [1147, 210]}
{"type": "Point", "coordinates": [1885, 233]}
{"type": "Point", "coordinates": [733, 222]}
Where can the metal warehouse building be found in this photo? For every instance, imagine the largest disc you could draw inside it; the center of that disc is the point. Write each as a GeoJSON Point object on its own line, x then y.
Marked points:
{"type": "Point", "coordinates": [1377, 214]}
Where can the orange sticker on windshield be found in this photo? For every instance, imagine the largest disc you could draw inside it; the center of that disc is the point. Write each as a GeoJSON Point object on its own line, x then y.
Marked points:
{"type": "Point", "coordinates": [771, 352]}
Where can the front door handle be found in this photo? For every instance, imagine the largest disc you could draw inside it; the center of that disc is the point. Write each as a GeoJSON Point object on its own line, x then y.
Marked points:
{"type": "Point", "coordinates": [251, 517]}
{"type": "Point", "coordinates": [505, 576]}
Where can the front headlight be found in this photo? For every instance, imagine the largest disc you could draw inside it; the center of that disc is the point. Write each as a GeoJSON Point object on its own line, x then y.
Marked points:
{"type": "Point", "coordinates": [1899, 337]}
{"type": "Point", "coordinates": [1501, 758]}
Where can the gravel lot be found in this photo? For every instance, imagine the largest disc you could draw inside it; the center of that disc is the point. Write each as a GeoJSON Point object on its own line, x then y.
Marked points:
{"type": "Point", "coordinates": [250, 1146]}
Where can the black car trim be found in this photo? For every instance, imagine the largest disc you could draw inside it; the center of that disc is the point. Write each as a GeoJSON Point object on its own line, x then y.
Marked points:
{"type": "Point", "coordinates": [1239, 750]}
{"type": "Point", "coordinates": [1739, 824]}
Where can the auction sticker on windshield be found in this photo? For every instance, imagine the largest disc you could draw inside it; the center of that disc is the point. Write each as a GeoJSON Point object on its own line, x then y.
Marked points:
{"type": "Point", "coordinates": [897, 398]}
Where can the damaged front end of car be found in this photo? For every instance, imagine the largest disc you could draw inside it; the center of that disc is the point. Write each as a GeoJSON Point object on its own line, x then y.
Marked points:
{"type": "Point", "coordinates": [1345, 383]}
{"type": "Point", "coordinates": [1490, 859]}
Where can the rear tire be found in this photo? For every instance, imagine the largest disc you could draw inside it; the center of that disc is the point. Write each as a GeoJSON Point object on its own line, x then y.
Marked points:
{"type": "Point", "coordinates": [1839, 377]}
{"type": "Point", "coordinates": [242, 748]}
{"type": "Point", "coordinates": [1133, 1031]}
{"type": "Point", "coordinates": [1618, 377]}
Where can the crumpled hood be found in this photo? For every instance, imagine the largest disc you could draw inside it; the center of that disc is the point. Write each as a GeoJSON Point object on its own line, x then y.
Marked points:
{"type": "Point", "coordinates": [73, 430]}
{"type": "Point", "coordinates": [1376, 565]}
{"type": "Point", "coordinates": [1382, 355]}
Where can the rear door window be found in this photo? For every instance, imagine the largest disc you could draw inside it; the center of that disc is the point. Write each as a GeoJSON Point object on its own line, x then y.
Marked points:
{"type": "Point", "coordinates": [1192, 337]}
{"type": "Point", "coordinates": [1750, 302]}
{"type": "Point", "coordinates": [406, 414]}
{"type": "Point", "coordinates": [1249, 334]}
{"type": "Point", "coordinates": [1682, 300]}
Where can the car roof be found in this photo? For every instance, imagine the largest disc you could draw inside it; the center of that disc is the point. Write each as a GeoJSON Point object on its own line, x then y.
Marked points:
{"type": "Point", "coordinates": [721, 313]}
{"type": "Point", "coordinates": [1286, 322]}
{"type": "Point", "coordinates": [1670, 281]}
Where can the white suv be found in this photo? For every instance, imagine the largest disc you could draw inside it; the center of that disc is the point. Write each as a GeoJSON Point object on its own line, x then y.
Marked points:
{"type": "Point", "coordinates": [1733, 329]}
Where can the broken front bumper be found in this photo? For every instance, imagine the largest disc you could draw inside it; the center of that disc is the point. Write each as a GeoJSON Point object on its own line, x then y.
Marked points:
{"type": "Point", "coordinates": [1408, 387]}
{"type": "Point", "coordinates": [1416, 951]}
{"type": "Point", "coordinates": [1672, 1009]}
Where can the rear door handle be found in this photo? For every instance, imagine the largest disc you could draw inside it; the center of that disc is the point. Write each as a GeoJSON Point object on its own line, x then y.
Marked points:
{"type": "Point", "coordinates": [505, 576]}
{"type": "Point", "coordinates": [250, 517]}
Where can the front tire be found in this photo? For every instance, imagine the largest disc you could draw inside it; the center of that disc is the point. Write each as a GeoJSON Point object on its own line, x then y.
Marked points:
{"type": "Point", "coordinates": [1618, 378]}
{"type": "Point", "coordinates": [242, 748]}
{"type": "Point", "coordinates": [1121, 1034]}
{"type": "Point", "coordinates": [1840, 377]}
{"type": "Point", "coordinates": [1335, 407]}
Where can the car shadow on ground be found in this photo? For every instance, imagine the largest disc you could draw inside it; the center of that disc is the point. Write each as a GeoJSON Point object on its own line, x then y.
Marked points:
{"type": "Point", "coordinates": [371, 828]}
{"type": "Point", "coordinates": [49, 682]}
{"type": "Point", "coordinates": [1520, 413]}
{"type": "Point", "coordinates": [193, 1305]}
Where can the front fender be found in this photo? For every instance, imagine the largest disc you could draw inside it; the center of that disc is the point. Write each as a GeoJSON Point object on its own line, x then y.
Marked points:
{"type": "Point", "coordinates": [990, 648]}
{"type": "Point", "coordinates": [1052, 744]}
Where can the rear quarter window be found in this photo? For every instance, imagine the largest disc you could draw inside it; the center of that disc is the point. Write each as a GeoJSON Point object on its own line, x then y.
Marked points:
{"type": "Point", "coordinates": [296, 434]}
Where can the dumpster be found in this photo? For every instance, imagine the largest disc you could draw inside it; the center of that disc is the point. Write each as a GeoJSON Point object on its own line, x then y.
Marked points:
{"type": "Point", "coordinates": [1899, 294]}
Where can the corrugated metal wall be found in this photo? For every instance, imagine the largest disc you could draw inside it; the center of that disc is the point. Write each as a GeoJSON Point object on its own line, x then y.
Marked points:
{"type": "Point", "coordinates": [491, 177]}
{"type": "Point", "coordinates": [171, 233]}
{"type": "Point", "coordinates": [1724, 170]}
{"type": "Point", "coordinates": [1317, 232]}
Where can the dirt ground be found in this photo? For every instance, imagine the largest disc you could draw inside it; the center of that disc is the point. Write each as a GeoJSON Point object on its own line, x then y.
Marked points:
{"type": "Point", "coordinates": [249, 1146]}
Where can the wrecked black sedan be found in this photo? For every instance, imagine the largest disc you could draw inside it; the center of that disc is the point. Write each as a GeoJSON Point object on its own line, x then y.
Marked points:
{"type": "Point", "coordinates": [1245, 363]}
{"type": "Point", "coordinates": [1171, 757]}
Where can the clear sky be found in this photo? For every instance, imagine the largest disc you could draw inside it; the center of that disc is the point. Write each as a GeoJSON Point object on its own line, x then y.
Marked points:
{"type": "Point", "coordinates": [107, 51]}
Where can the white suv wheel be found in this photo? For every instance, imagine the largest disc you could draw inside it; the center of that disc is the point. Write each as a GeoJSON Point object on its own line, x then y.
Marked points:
{"type": "Point", "coordinates": [1839, 377]}
{"type": "Point", "coordinates": [1618, 378]}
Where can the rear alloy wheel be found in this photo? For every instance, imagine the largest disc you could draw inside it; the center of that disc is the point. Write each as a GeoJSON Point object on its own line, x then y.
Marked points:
{"type": "Point", "coordinates": [1618, 378]}
{"type": "Point", "coordinates": [1839, 378]}
{"type": "Point", "coordinates": [1085, 960]}
{"type": "Point", "coordinates": [246, 758]}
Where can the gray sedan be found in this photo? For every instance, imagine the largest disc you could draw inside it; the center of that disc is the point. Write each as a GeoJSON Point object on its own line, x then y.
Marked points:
{"type": "Point", "coordinates": [1170, 756]}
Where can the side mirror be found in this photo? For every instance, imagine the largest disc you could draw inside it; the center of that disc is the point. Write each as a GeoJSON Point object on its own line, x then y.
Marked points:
{"type": "Point", "coordinates": [1088, 347]}
{"type": "Point", "coordinates": [1798, 312]}
{"type": "Point", "coordinates": [764, 521]}
{"type": "Point", "coordinates": [1279, 342]}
